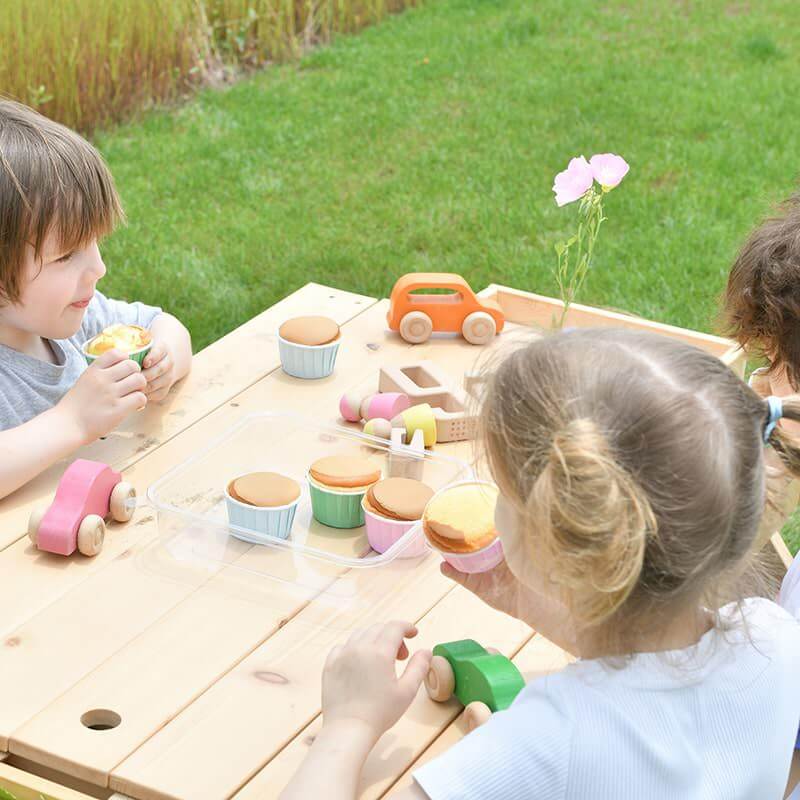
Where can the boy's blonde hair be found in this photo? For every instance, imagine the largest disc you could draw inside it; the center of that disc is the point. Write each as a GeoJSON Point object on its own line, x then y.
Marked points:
{"type": "Point", "coordinates": [51, 181]}
{"type": "Point", "coordinates": [636, 463]}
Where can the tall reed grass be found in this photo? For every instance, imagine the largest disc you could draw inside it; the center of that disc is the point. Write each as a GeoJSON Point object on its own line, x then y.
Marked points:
{"type": "Point", "coordinates": [90, 63]}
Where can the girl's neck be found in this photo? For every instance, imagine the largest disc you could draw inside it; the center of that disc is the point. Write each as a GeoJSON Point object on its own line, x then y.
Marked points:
{"type": "Point", "coordinates": [683, 630]}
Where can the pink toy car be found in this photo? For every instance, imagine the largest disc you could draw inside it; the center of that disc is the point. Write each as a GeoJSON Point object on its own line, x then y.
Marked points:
{"type": "Point", "coordinates": [87, 493]}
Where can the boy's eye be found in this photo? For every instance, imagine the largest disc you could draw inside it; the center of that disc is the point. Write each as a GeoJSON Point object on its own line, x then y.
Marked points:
{"type": "Point", "coordinates": [65, 257]}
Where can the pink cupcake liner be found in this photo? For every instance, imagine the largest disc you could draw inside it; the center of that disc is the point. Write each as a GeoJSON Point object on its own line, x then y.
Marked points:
{"type": "Point", "coordinates": [382, 533]}
{"type": "Point", "coordinates": [479, 561]}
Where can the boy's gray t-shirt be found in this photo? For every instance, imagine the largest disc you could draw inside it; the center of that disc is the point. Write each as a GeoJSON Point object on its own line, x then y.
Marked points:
{"type": "Point", "coordinates": [29, 386]}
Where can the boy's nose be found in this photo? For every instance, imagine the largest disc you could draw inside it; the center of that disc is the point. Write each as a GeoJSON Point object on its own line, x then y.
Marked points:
{"type": "Point", "coordinates": [96, 263]}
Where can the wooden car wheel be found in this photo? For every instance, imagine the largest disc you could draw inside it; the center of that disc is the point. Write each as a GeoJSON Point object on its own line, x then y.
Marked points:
{"type": "Point", "coordinates": [123, 502]}
{"type": "Point", "coordinates": [416, 327]}
{"type": "Point", "coordinates": [440, 682]}
{"type": "Point", "coordinates": [479, 328]}
{"type": "Point", "coordinates": [475, 714]}
{"type": "Point", "coordinates": [91, 534]}
{"type": "Point", "coordinates": [34, 521]}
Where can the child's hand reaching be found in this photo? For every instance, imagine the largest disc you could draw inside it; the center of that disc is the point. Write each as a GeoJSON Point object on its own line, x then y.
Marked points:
{"type": "Point", "coordinates": [362, 697]}
{"type": "Point", "coordinates": [159, 371]}
{"type": "Point", "coordinates": [110, 389]}
{"type": "Point", "coordinates": [360, 687]}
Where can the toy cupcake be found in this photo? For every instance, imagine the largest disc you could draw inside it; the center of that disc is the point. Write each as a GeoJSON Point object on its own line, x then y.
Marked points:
{"type": "Point", "coordinates": [338, 485]}
{"type": "Point", "coordinates": [392, 507]}
{"type": "Point", "coordinates": [308, 346]}
{"type": "Point", "coordinates": [131, 339]}
{"type": "Point", "coordinates": [263, 502]}
{"type": "Point", "coordinates": [459, 523]}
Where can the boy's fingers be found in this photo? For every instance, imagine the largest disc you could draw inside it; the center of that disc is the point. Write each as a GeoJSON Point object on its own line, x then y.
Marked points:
{"type": "Point", "coordinates": [156, 369]}
{"type": "Point", "coordinates": [415, 672]}
{"type": "Point", "coordinates": [133, 383]}
{"type": "Point", "coordinates": [123, 369]}
{"type": "Point", "coordinates": [109, 358]}
{"type": "Point", "coordinates": [156, 354]}
{"type": "Point", "coordinates": [162, 382]}
{"type": "Point", "coordinates": [135, 401]}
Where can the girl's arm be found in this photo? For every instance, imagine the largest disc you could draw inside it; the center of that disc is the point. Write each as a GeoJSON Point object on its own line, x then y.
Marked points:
{"type": "Point", "coordinates": [362, 698]}
{"type": "Point", "coordinates": [170, 357]}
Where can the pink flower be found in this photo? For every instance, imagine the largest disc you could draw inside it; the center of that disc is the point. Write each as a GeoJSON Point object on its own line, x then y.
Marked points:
{"type": "Point", "coordinates": [573, 182]}
{"type": "Point", "coordinates": [608, 169]}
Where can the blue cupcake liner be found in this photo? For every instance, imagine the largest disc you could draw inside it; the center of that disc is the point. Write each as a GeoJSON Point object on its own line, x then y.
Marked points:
{"type": "Point", "coordinates": [275, 522]}
{"type": "Point", "coordinates": [310, 363]}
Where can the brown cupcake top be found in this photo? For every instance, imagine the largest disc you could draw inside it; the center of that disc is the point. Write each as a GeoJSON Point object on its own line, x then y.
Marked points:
{"type": "Point", "coordinates": [309, 331]}
{"type": "Point", "coordinates": [399, 498]}
{"type": "Point", "coordinates": [344, 472]}
{"type": "Point", "coordinates": [264, 489]}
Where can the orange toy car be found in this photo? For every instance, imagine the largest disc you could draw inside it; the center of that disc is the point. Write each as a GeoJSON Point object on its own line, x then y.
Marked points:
{"type": "Point", "coordinates": [423, 302]}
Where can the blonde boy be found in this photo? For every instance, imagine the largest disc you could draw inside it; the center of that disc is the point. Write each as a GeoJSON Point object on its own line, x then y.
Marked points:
{"type": "Point", "coordinates": [57, 199]}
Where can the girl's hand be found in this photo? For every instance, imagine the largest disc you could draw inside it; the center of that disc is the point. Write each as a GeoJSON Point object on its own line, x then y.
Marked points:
{"type": "Point", "coordinates": [499, 588]}
{"type": "Point", "coordinates": [360, 686]}
{"type": "Point", "coordinates": [159, 371]}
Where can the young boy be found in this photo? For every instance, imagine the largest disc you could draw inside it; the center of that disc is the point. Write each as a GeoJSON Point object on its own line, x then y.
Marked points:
{"type": "Point", "coordinates": [57, 199]}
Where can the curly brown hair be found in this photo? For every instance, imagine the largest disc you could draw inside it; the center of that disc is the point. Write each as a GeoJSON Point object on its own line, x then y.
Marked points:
{"type": "Point", "coordinates": [761, 306]}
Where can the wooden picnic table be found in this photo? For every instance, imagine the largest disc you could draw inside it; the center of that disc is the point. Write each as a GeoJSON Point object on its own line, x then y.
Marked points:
{"type": "Point", "coordinates": [216, 682]}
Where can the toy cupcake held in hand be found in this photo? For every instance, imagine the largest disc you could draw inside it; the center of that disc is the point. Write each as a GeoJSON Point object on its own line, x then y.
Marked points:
{"type": "Point", "coordinates": [131, 339]}
{"type": "Point", "coordinates": [459, 523]}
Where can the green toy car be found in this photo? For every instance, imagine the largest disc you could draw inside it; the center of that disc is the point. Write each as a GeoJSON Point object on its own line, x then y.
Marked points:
{"type": "Point", "coordinates": [483, 680]}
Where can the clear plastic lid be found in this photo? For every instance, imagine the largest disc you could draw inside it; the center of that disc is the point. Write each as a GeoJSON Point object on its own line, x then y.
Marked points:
{"type": "Point", "coordinates": [196, 532]}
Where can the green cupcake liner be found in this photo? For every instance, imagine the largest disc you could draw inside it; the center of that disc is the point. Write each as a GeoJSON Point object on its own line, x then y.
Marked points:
{"type": "Point", "coordinates": [137, 355]}
{"type": "Point", "coordinates": [337, 509]}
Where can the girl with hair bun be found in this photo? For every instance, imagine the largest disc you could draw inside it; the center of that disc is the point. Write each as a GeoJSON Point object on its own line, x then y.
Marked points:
{"type": "Point", "coordinates": [631, 470]}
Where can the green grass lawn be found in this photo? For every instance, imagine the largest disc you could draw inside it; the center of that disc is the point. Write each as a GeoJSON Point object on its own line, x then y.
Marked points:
{"type": "Point", "coordinates": [431, 142]}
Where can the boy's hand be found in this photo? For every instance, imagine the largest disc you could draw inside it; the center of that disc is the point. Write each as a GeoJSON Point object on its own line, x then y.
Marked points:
{"type": "Point", "coordinates": [110, 389]}
{"type": "Point", "coordinates": [360, 687]}
{"type": "Point", "coordinates": [159, 371]}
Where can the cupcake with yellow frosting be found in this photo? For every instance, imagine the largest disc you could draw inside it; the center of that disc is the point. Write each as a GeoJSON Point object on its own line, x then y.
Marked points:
{"type": "Point", "coordinates": [131, 339]}
{"type": "Point", "coordinates": [459, 523]}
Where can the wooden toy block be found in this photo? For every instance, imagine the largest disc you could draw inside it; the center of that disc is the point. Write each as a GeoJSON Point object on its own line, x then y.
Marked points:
{"type": "Point", "coordinates": [88, 492]}
{"type": "Point", "coordinates": [426, 382]}
{"type": "Point", "coordinates": [424, 302]}
{"type": "Point", "coordinates": [483, 680]}
{"type": "Point", "coordinates": [406, 460]}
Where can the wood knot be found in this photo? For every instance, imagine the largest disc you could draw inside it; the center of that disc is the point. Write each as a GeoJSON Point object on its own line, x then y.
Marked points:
{"type": "Point", "coordinates": [373, 346]}
{"type": "Point", "coordinates": [13, 641]}
{"type": "Point", "coordinates": [271, 677]}
{"type": "Point", "coordinates": [309, 740]}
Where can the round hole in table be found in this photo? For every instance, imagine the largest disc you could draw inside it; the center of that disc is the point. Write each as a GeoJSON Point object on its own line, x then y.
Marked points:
{"type": "Point", "coordinates": [101, 719]}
